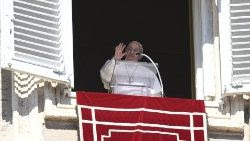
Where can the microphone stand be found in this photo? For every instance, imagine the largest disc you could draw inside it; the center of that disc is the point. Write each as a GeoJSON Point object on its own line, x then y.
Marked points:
{"type": "Point", "coordinates": [111, 77]}
{"type": "Point", "coordinates": [162, 92]}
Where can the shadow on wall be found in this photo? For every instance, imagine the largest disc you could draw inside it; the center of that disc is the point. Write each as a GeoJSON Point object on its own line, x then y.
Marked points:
{"type": "Point", "coordinates": [225, 136]}
{"type": "Point", "coordinates": [6, 95]}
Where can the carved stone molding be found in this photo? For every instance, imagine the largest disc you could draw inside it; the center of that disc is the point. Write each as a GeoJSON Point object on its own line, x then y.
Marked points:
{"type": "Point", "coordinates": [24, 83]}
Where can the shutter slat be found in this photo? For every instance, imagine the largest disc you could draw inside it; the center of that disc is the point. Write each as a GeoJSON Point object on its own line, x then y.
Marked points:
{"type": "Point", "coordinates": [240, 20]}
{"type": "Point", "coordinates": [239, 11]}
{"type": "Point", "coordinates": [36, 21]}
{"type": "Point", "coordinates": [235, 15]}
{"type": "Point", "coordinates": [37, 8]}
{"type": "Point", "coordinates": [244, 77]}
{"type": "Point", "coordinates": [244, 36]}
{"type": "Point", "coordinates": [241, 49]}
{"type": "Point", "coordinates": [44, 22]}
{"type": "Point", "coordinates": [241, 23]}
{"type": "Point", "coordinates": [241, 43]}
{"type": "Point", "coordinates": [240, 52]}
{"type": "Point", "coordinates": [43, 35]}
{"type": "Point", "coordinates": [240, 30]}
{"type": "Point", "coordinates": [241, 65]}
{"type": "Point", "coordinates": [241, 58]}
{"type": "Point", "coordinates": [55, 1]}
{"type": "Point", "coordinates": [32, 45]}
{"type": "Point", "coordinates": [31, 13]}
{"type": "Point", "coordinates": [37, 27]}
{"type": "Point", "coordinates": [240, 46]}
{"type": "Point", "coordinates": [241, 39]}
{"type": "Point", "coordinates": [234, 7]}
{"type": "Point", "coordinates": [239, 1]}
{"type": "Point", "coordinates": [240, 26]}
{"type": "Point", "coordinates": [42, 3]}
{"type": "Point", "coordinates": [39, 53]}
{"type": "Point", "coordinates": [240, 17]}
{"type": "Point", "coordinates": [38, 40]}
{"type": "Point", "coordinates": [240, 4]}
{"type": "Point", "coordinates": [241, 33]}
{"type": "Point", "coordinates": [35, 60]}
{"type": "Point", "coordinates": [244, 71]}
{"type": "Point", "coordinates": [37, 44]}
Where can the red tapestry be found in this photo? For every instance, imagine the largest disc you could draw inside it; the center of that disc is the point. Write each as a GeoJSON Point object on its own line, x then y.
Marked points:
{"type": "Point", "coordinates": [113, 117]}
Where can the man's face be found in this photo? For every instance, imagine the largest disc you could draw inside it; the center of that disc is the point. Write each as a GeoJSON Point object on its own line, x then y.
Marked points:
{"type": "Point", "coordinates": [131, 51]}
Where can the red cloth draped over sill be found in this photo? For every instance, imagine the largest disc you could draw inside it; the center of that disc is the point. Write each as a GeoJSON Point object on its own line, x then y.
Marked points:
{"type": "Point", "coordinates": [113, 117]}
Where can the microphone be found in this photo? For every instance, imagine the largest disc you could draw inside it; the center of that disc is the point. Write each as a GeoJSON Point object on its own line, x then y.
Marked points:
{"type": "Point", "coordinates": [162, 91]}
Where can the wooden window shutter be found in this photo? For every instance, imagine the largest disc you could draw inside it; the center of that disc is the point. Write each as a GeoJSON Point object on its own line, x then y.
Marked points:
{"type": "Point", "coordinates": [240, 37]}
{"type": "Point", "coordinates": [42, 38]}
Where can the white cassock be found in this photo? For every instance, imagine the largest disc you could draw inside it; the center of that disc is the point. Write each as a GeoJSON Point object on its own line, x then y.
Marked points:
{"type": "Point", "coordinates": [130, 79]}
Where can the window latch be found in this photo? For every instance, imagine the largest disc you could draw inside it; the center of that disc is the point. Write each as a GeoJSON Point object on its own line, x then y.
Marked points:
{"type": "Point", "coordinates": [59, 70]}
{"type": "Point", "coordinates": [237, 84]}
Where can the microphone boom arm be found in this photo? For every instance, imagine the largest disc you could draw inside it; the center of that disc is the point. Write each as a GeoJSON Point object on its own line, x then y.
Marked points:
{"type": "Point", "coordinates": [162, 92]}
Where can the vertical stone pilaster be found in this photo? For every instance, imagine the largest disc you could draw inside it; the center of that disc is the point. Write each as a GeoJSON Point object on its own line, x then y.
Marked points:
{"type": "Point", "coordinates": [6, 128]}
{"type": "Point", "coordinates": [247, 125]}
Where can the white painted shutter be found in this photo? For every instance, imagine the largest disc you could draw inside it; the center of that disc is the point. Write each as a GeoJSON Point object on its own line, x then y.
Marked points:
{"type": "Point", "coordinates": [42, 38]}
{"type": "Point", "coordinates": [235, 46]}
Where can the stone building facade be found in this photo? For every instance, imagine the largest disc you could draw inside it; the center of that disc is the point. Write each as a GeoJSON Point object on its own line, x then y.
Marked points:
{"type": "Point", "coordinates": [37, 106]}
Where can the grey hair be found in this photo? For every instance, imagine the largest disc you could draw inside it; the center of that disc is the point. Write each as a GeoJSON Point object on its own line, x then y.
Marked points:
{"type": "Point", "coordinates": [139, 44]}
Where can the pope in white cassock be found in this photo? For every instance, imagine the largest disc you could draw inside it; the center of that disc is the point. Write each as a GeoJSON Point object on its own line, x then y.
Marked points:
{"type": "Point", "coordinates": [129, 77]}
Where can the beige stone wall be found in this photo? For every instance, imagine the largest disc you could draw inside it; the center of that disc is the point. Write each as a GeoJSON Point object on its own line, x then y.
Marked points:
{"type": "Point", "coordinates": [32, 108]}
{"type": "Point", "coordinates": [35, 109]}
{"type": "Point", "coordinates": [228, 119]}
{"type": "Point", "coordinates": [60, 130]}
